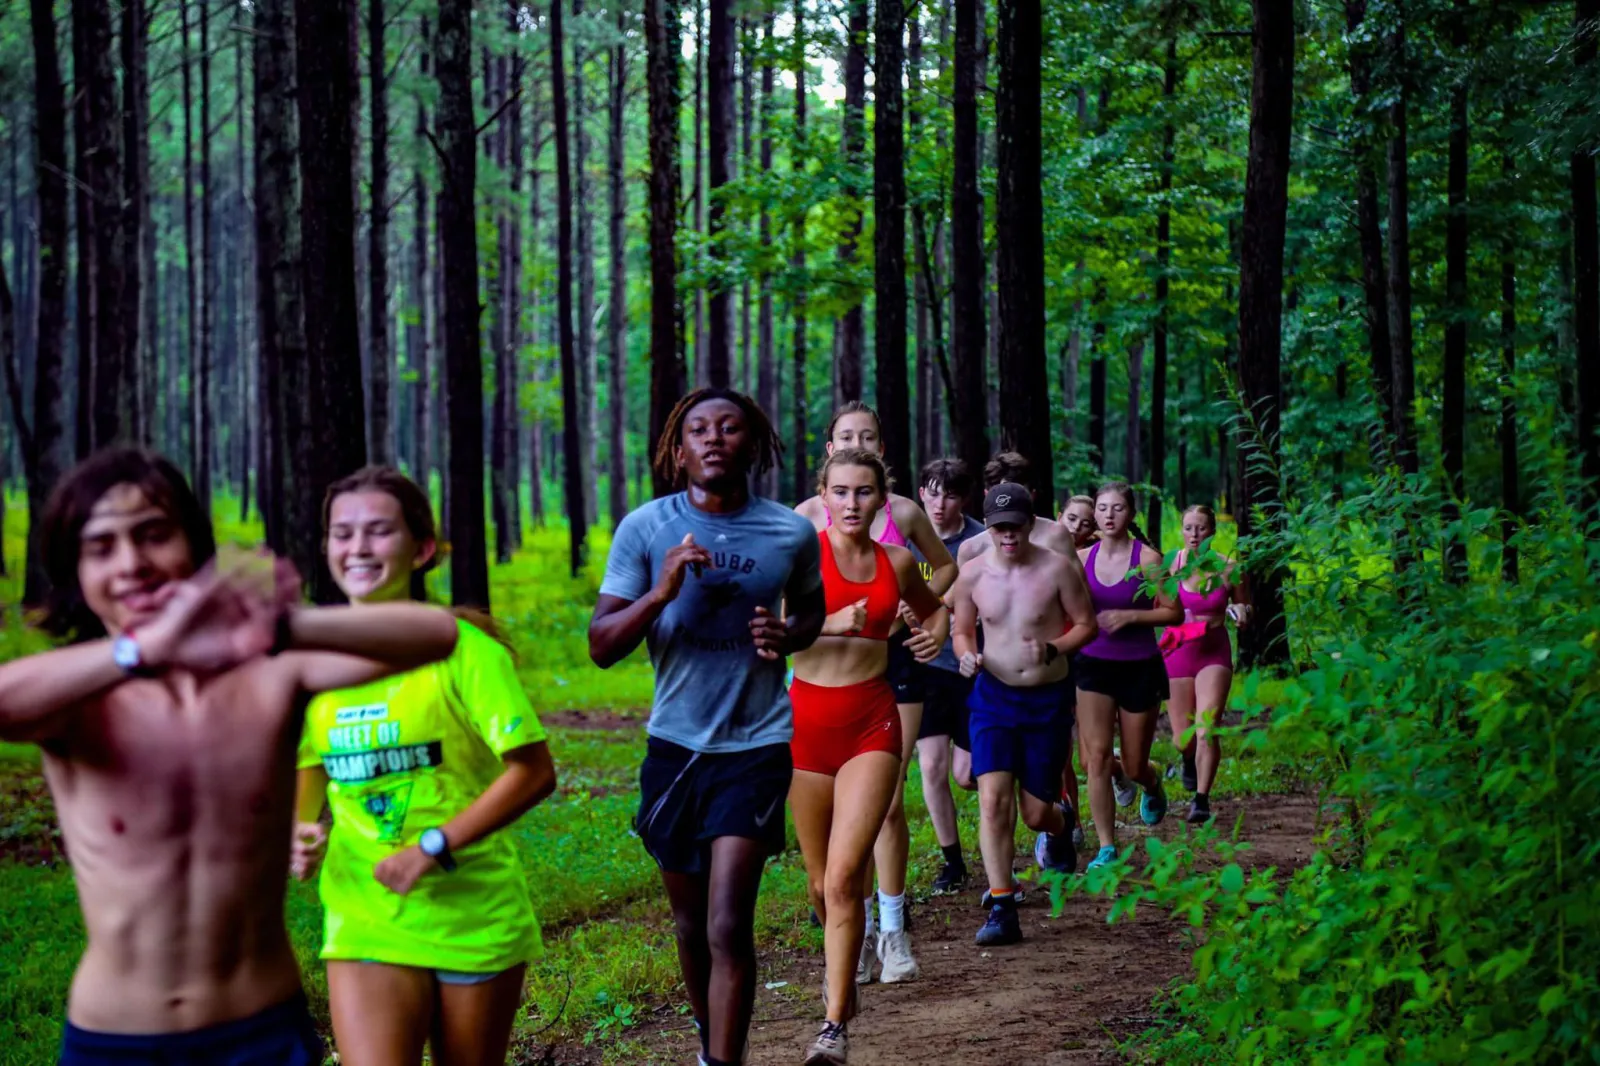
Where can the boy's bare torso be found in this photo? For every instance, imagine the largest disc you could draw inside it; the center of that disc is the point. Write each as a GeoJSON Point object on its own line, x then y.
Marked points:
{"type": "Point", "coordinates": [1017, 603]}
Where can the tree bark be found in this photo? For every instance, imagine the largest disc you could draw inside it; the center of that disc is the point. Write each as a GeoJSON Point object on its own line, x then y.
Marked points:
{"type": "Point", "coordinates": [136, 324]}
{"type": "Point", "coordinates": [1586, 279]}
{"type": "Point", "coordinates": [1097, 378]}
{"type": "Point", "coordinates": [747, 126]}
{"type": "Point", "coordinates": [202, 368]}
{"type": "Point", "coordinates": [588, 425]}
{"type": "Point", "coordinates": [766, 358]}
{"type": "Point", "coordinates": [850, 330]}
{"type": "Point", "coordinates": [1158, 372]}
{"type": "Point", "coordinates": [1261, 302]}
{"type": "Point", "coordinates": [1132, 445]}
{"type": "Point", "coordinates": [380, 437]}
{"type": "Point", "coordinates": [701, 344]}
{"type": "Point", "coordinates": [286, 510]}
{"type": "Point", "coordinates": [617, 313]}
{"type": "Point", "coordinates": [101, 336]}
{"type": "Point", "coordinates": [800, 401]}
{"type": "Point", "coordinates": [889, 237]}
{"type": "Point", "coordinates": [1510, 490]}
{"type": "Point", "coordinates": [1453, 442]}
{"type": "Point", "coordinates": [1368, 215]}
{"type": "Point", "coordinates": [577, 508]}
{"type": "Point", "coordinates": [1400, 323]}
{"type": "Point", "coordinates": [497, 98]}
{"type": "Point", "coordinates": [923, 290]}
{"type": "Point", "coordinates": [967, 389]}
{"type": "Point", "coordinates": [336, 434]}
{"type": "Point", "coordinates": [511, 285]}
{"type": "Point", "coordinates": [418, 353]}
{"type": "Point", "coordinates": [43, 459]}
{"type": "Point", "coordinates": [720, 138]}
{"type": "Point", "coordinates": [667, 372]}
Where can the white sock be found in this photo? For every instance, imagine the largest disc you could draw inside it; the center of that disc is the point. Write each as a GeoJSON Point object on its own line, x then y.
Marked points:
{"type": "Point", "coordinates": [892, 913]}
{"type": "Point", "coordinates": [872, 925]}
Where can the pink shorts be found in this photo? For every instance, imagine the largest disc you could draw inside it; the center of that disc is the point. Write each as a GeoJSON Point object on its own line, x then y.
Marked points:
{"type": "Point", "coordinates": [1192, 656]}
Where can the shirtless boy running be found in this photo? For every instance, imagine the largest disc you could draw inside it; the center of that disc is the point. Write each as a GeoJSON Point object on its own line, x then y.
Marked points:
{"type": "Point", "coordinates": [169, 730]}
{"type": "Point", "coordinates": [1036, 612]}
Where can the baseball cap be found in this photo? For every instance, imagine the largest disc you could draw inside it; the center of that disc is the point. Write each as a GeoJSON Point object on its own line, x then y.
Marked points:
{"type": "Point", "coordinates": [1008, 503]}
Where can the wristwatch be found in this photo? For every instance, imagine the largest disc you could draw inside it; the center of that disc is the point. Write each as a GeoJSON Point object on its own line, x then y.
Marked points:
{"type": "Point", "coordinates": [129, 658]}
{"type": "Point", "coordinates": [436, 847]}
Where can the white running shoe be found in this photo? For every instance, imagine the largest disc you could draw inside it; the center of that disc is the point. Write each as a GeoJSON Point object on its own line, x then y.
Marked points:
{"type": "Point", "coordinates": [898, 962]}
{"type": "Point", "coordinates": [830, 1048]}
{"type": "Point", "coordinates": [1124, 789]}
{"type": "Point", "coordinates": [869, 956]}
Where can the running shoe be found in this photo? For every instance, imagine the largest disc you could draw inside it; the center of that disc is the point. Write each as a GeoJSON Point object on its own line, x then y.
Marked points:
{"type": "Point", "coordinates": [1055, 852]}
{"type": "Point", "coordinates": [1106, 857]}
{"type": "Point", "coordinates": [1017, 896]}
{"type": "Point", "coordinates": [869, 956]}
{"type": "Point", "coordinates": [898, 963]}
{"type": "Point", "coordinates": [1199, 812]}
{"type": "Point", "coordinates": [951, 880]}
{"type": "Point", "coordinates": [1153, 804]}
{"type": "Point", "coordinates": [1123, 789]}
{"type": "Point", "coordinates": [1003, 927]}
{"type": "Point", "coordinates": [1191, 775]}
{"type": "Point", "coordinates": [1077, 835]}
{"type": "Point", "coordinates": [830, 1048]}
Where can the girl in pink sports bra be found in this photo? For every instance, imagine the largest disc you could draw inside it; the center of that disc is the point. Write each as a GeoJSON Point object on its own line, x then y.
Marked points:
{"type": "Point", "coordinates": [1199, 655]}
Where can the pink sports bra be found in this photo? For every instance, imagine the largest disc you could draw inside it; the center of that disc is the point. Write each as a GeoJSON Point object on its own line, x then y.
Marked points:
{"type": "Point", "coordinates": [1203, 604]}
{"type": "Point", "coordinates": [891, 532]}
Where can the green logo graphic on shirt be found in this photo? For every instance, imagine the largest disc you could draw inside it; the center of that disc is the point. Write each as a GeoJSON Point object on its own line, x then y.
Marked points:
{"type": "Point", "coordinates": [388, 811]}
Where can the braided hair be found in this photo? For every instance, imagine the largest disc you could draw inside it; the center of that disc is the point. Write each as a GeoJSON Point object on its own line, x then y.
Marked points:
{"type": "Point", "coordinates": [767, 445]}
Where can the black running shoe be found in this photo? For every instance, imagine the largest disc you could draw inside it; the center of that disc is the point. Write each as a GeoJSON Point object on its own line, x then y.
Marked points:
{"type": "Point", "coordinates": [1003, 927]}
{"type": "Point", "coordinates": [1199, 812]}
{"type": "Point", "coordinates": [1191, 777]}
{"type": "Point", "coordinates": [951, 880]}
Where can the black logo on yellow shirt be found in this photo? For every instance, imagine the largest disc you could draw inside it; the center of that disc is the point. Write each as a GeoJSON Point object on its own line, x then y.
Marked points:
{"type": "Point", "coordinates": [350, 767]}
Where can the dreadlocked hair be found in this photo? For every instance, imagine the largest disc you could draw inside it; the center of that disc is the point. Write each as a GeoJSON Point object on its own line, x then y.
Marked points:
{"type": "Point", "coordinates": [767, 444]}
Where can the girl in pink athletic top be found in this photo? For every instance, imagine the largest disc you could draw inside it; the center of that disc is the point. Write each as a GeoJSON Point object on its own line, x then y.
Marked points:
{"type": "Point", "coordinates": [1198, 653]}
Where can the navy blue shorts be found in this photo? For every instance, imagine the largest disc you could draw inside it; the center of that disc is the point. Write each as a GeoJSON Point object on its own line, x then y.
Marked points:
{"type": "Point", "coordinates": [278, 1036]}
{"type": "Point", "coordinates": [1025, 732]}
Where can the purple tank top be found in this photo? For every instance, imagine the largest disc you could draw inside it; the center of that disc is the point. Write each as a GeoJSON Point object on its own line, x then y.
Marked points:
{"type": "Point", "coordinates": [1130, 642]}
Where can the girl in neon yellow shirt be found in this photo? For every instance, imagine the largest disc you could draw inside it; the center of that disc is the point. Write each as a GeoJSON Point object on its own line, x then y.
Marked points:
{"type": "Point", "coordinates": [428, 924]}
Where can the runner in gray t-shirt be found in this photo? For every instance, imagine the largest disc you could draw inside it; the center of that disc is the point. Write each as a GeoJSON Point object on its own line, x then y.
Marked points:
{"type": "Point", "coordinates": [700, 577]}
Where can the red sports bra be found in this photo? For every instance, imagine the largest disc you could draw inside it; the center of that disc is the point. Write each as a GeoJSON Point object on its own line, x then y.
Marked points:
{"type": "Point", "coordinates": [882, 593]}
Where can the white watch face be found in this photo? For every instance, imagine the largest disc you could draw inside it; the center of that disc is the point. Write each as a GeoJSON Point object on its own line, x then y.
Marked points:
{"type": "Point", "coordinates": [432, 842]}
{"type": "Point", "coordinates": [125, 653]}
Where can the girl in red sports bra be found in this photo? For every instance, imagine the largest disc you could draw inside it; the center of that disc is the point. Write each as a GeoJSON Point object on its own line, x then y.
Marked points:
{"type": "Point", "coordinates": [847, 733]}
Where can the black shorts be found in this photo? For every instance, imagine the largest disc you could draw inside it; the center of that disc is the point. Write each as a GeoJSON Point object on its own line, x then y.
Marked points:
{"type": "Point", "coordinates": [282, 1036]}
{"type": "Point", "coordinates": [1138, 685]}
{"type": "Point", "coordinates": [687, 799]}
{"type": "Point", "coordinates": [944, 707]}
{"type": "Point", "coordinates": [906, 675]}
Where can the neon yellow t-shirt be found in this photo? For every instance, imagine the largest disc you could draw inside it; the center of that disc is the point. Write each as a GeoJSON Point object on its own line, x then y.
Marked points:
{"type": "Point", "coordinates": [406, 754]}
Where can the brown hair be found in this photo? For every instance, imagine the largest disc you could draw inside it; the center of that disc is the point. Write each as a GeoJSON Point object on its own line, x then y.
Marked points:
{"type": "Point", "coordinates": [950, 475]}
{"type": "Point", "coordinates": [1007, 466]}
{"type": "Point", "coordinates": [1204, 510]}
{"type": "Point", "coordinates": [1125, 490]}
{"type": "Point", "coordinates": [853, 407]}
{"type": "Point", "coordinates": [72, 502]}
{"type": "Point", "coordinates": [768, 445]}
{"type": "Point", "coordinates": [856, 457]}
{"type": "Point", "coordinates": [417, 513]}
{"type": "Point", "coordinates": [1080, 498]}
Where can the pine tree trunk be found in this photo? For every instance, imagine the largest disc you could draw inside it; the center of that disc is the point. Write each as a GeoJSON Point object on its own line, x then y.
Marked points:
{"type": "Point", "coordinates": [463, 356]}
{"type": "Point", "coordinates": [1510, 490]}
{"type": "Point", "coordinates": [921, 290]}
{"type": "Point", "coordinates": [572, 443]}
{"type": "Point", "coordinates": [1400, 324]}
{"type": "Point", "coordinates": [336, 433]}
{"type": "Point", "coordinates": [101, 222]}
{"type": "Point", "coordinates": [1266, 201]}
{"type": "Point", "coordinates": [889, 238]}
{"type": "Point", "coordinates": [512, 282]}
{"type": "Point", "coordinates": [246, 426]}
{"type": "Point", "coordinates": [418, 353]}
{"type": "Point", "coordinates": [767, 376]}
{"type": "Point", "coordinates": [495, 95]}
{"type": "Point", "coordinates": [1586, 278]}
{"type": "Point", "coordinates": [1158, 372]}
{"type": "Point", "coordinates": [666, 360]}
{"type": "Point", "coordinates": [701, 343]}
{"type": "Point", "coordinates": [747, 126]}
{"type": "Point", "coordinates": [1453, 442]}
{"type": "Point", "coordinates": [43, 458]}
{"type": "Point", "coordinates": [589, 423]}
{"type": "Point", "coordinates": [1368, 223]}
{"type": "Point", "coordinates": [617, 312]}
{"type": "Point", "coordinates": [133, 401]}
{"type": "Point", "coordinates": [203, 369]}
{"type": "Point", "coordinates": [968, 400]}
{"type": "Point", "coordinates": [380, 437]}
{"type": "Point", "coordinates": [1131, 444]}
{"type": "Point", "coordinates": [799, 399]}
{"type": "Point", "coordinates": [720, 141]}
{"type": "Point", "coordinates": [850, 335]}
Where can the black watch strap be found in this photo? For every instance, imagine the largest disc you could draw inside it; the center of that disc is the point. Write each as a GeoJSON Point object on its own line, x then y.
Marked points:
{"type": "Point", "coordinates": [1051, 652]}
{"type": "Point", "coordinates": [283, 634]}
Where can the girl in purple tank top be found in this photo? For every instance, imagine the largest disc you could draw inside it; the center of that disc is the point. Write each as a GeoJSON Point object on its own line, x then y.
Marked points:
{"type": "Point", "coordinates": [1198, 653]}
{"type": "Point", "coordinates": [1120, 676]}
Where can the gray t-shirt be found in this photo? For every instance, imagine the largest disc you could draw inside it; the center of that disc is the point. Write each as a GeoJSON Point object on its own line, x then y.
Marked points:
{"type": "Point", "coordinates": [970, 528]}
{"type": "Point", "coordinates": [713, 692]}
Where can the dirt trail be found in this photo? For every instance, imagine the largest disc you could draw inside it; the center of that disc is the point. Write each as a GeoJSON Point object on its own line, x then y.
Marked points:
{"type": "Point", "coordinates": [1065, 995]}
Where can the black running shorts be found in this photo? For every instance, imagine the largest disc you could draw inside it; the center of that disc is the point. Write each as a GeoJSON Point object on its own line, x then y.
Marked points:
{"type": "Point", "coordinates": [1138, 685]}
{"type": "Point", "coordinates": [906, 675]}
{"type": "Point", "coordinates": [687, 799]}
{"type": "Point", "coordinates": [944, 706]}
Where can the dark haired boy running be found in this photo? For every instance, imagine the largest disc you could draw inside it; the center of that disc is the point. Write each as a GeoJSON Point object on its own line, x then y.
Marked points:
{"type": "Point", "coordinates": [700, 576]}
{"type": "Point", "coordinates": [169, 731]}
